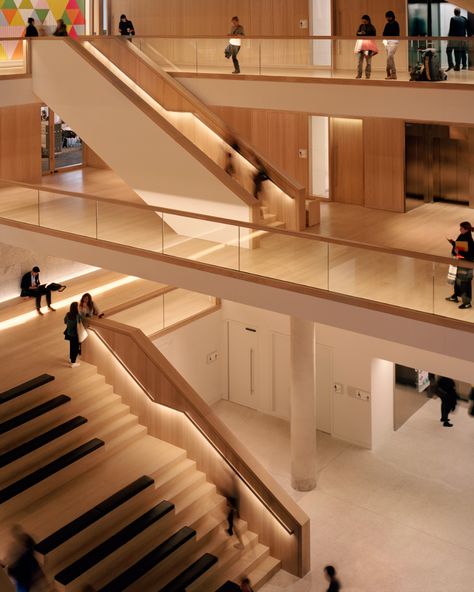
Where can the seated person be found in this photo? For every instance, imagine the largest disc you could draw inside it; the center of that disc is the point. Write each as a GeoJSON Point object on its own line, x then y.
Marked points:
{"type": "Point", "coordinates": [31, 286]}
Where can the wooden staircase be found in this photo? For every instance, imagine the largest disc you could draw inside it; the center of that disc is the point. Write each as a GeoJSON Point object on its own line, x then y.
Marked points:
{"type": "Point", "coordinates": [108, 504]}
{"type": "Point", "coordinates": [267, 218]}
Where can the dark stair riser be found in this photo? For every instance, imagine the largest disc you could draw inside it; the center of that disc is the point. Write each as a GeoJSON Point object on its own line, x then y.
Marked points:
{"type": "Point", "coordinates": [25, 387]}
{"type": "Point", "coordinates": [190, 574]}
{"type": "Point", "coordinates": [79, 524]}
{"type": "Point", "coordinates": [41, 440]}
{"type": "Point", "coordinates": [33, 413]}
{"type": "Point", "coordinates": [119, 539]}
{"type": "Point", "coordinates": [50, 469]}
{"type": "Point", "coordinates": [150, 561]}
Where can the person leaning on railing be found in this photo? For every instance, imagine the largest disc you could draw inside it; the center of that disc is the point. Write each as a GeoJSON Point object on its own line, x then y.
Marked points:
{"type": "Point", "coordinates": [126, 27]}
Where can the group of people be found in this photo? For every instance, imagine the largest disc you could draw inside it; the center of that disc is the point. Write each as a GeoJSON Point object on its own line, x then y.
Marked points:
{"type": "Point", "coordinates": [32, 31]}
{"type": "Point", "coordinates": [366, 48]}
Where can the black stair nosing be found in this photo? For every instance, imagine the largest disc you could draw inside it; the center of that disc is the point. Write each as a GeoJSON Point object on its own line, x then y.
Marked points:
{"type": "Point", "coordinates": [150, 560]}
{"type": "Point", "coordinates": [33, 413]}
{"type": "Point", "coordinates": [51, 468]}
{"type": "Point", "coordinates": [25, 387]}
{"type": "Point", "coordinates": [229, 587]}
{"type": "Point", "coordinates": [45, 438]}
{"type": "Point", "coordinates": [88, 518]}
{"type": "Point", "coordinates": [190, 574]}
{"type": "Point", "coordinates": [117, 540]}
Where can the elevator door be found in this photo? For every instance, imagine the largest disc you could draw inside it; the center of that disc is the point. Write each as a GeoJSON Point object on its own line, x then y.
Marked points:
{"type": "Point", "coordinates": [438, 163]}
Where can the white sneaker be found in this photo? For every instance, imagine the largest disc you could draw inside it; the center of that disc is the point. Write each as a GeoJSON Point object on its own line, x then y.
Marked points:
{"type": "Point", "coordinates": [75, 365]}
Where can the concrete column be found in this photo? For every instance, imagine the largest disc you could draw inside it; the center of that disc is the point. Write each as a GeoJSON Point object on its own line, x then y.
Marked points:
{"type": "Point", "coordinates": [303, 418]}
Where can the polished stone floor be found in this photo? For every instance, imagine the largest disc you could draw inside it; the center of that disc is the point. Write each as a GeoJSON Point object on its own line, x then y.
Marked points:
{"type": "Point", "coordinates": [399, 519]}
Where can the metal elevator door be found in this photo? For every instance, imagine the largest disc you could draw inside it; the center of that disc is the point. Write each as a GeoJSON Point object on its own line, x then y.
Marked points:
{"type": "Point", "coordinates": [437, 163]}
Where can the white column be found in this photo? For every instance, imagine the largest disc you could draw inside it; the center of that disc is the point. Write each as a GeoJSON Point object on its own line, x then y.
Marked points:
{"type": "Point", "coordinates": [303, 418]}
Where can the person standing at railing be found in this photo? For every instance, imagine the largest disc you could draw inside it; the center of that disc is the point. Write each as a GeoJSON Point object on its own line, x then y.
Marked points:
{"type": "Point", "coordinates": [31, 30]}
{"type": "Point", "coordinates": [61, 29]}
{"type": "Point", "coordinates": [392, 29]}
{"type": "Point", "coordinates": [458, 27]}
{"type": "Point", "coordinates": [463, 248]}
{"type": "Point", "coordinates": [126, 27]}
{"type": "Point", "coordinates": [235, 42]}
{"type": "Point", "coordinates": [365, 48]}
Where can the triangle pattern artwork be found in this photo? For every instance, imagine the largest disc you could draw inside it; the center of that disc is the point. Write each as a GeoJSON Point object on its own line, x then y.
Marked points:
{"type": "Point", "coordinates": [14, 15]}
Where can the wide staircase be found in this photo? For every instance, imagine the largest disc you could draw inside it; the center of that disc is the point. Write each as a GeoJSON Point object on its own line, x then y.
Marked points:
{"type": "Point", "coordinates": [108, 504]}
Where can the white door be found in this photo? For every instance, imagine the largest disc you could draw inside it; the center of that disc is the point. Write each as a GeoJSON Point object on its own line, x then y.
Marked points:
{"type": "Point", "coordinates": [323, 388]}
{"type": "Point", "coordinates": [243, 364]}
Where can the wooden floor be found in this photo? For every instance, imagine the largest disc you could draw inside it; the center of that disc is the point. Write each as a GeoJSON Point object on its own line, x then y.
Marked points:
{"type": "Point", "coordinates": [401, 281]}
{"type": "Point", "coordinates": [38, 346]}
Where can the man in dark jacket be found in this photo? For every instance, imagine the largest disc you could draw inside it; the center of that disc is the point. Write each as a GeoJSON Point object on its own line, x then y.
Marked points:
{"type": "Point", "coordinates": [446, 391]}
{"type": "Point", "coordinates": [392, 29]}
{"type": "Point", "coordinates": [458, 27]}
{"type": "Point", "coordinates": [31, 286]}
{"type": "Point", "coordinates": [31, 30]}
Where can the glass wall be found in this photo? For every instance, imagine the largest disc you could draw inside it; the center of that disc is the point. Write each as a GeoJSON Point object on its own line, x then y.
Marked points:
{"type": "Point", "coordinates": [61, 147]}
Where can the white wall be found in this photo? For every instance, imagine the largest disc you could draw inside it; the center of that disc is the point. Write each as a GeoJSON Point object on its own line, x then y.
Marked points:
{"type": "Point", "coordinates": [15, 261]}
{"type": "Point", "coordinates": [319, 155]}
{"type": "Point", "coordinates": [187, 349]}
{"type": "Point", "coordinates": [418, 102]}
{"type": "Point", "coordinates": [321, 24]}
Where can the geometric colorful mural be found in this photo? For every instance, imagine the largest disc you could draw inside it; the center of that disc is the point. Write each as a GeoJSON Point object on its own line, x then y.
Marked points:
{"type": "Point", "coordinates": [14, 16]}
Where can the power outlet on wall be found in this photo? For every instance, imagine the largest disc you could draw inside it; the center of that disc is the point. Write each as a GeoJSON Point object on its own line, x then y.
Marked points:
{"type": "Point", "coordinates": [212, 357]}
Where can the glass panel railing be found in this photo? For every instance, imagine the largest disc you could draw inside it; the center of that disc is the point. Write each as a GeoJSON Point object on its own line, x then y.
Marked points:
{"type": "Point", "coordinates": [289, 258]}
{"type": "Point", "coordinates": [417, 283]}
{"type": "Point", "coordinates": [165, 310]}
{"type": "Point", "coordinates": [70, 214]}
{"type": "Point", "coordinates": [13, 57]}
{"type": "Point", "coordinates": [181, 304]}
{"type": "Point", "coordinates": [201, 240]}
{"type": "Point", "coordinates": [19, 203]}
{"type": "Point", "coordinates": [383, 277]}
{"type": "Point", "coordinates": [316, 57]}
{"type": "Point", "coordinates": [119, 224]}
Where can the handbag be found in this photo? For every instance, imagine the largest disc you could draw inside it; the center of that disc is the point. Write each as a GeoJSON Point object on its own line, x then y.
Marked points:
{"type": "Point", "coordinates": [451, 274]}
{"type": "Point", "coordinates": [227, 52]}
{"type": "Point", "coordinates": [82, 333]}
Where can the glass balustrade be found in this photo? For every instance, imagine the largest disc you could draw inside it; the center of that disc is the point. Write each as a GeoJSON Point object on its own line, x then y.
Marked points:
{"type": "Point", "coordinates": [401, 279]}
{"type": "Point", "coordinates": [316, 57]}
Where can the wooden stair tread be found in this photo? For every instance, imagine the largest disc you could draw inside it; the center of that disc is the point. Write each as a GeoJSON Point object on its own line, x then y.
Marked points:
{"type": "Point", "coordinates": [19, 420]}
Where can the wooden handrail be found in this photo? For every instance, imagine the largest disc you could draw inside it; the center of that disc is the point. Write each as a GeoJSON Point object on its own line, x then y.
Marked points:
{"type": "Point", "coordinates": [249, 225]}
{"type": "Point", "coordinates": [165, 386]}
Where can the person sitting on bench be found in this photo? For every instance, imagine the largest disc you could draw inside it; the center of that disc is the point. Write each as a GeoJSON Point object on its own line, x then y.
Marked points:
{"type": "Point", "coordinates": [31, 286]}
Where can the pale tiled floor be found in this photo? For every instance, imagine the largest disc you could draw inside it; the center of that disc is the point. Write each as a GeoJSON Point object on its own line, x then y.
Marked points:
{"type": "Point", "coordinates": [396, 520]}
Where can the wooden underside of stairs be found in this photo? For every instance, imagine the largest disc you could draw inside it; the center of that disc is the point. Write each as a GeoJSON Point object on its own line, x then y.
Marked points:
{"type": "Point", "coordinates": [87, 485]}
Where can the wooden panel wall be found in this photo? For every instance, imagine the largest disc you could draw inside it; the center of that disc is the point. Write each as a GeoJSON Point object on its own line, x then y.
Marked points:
{"type": "Point", "coordinates": [20, 143]}
{"type": "Point", "coordinates": [278, 135]}
{"type": "Point", "coordinates": [346, 21]}
{"type": "Point", "coordinates": [212, 17]}
{"type": "Point", "coordinates": [384, 164]}
{"type": "Point", "coordinates": [347, 160]}
{"type": "Point", "coordinates": [368, 162]}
